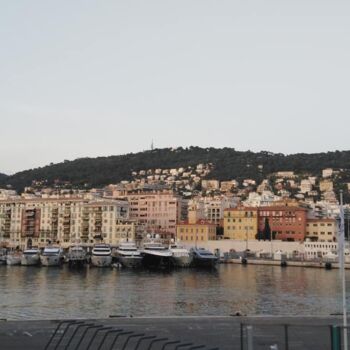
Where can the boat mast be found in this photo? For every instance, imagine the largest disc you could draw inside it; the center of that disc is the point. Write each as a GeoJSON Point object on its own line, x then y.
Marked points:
{"type": "Point", "coordinates": [342, 266]}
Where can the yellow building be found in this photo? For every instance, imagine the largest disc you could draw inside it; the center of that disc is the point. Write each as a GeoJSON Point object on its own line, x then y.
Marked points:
{"type": "Point", "coordinates": [241, 223]}
{"type": "Point", "coordinates": [200, 231]}
{"type": "Point", "coordinates": [321, 230]}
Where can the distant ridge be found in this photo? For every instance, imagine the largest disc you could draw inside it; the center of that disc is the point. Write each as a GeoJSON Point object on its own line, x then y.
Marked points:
{"type": "Point", "coordinates": [228, 164]}
{"type": "Point", "coordinates": [3, 177]}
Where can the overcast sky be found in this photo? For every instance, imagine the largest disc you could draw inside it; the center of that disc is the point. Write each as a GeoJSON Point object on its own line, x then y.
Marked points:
{"type": "Point", "coordinates": [89, 78]}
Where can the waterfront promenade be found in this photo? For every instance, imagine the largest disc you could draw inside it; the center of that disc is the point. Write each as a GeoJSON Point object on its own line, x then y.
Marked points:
{"type": "Point", "coordinates": [213, 332]}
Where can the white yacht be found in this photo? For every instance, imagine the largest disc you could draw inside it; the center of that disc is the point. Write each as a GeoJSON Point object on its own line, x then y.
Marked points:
{"type": "Point", "coordinates": [51, 256]}
{"type": "Point", "coordinates": [101, 255]}
{"type": "Point", "coordinates": [181, 256]}
{"type": "Point", "coordinates": [128, 255]}
{"type": "Point", "coordinates": [30, 257]}
{"type": "Point", "coordinates": [13, 258]}
{"type": "Point", "coordinates": [155, 254]}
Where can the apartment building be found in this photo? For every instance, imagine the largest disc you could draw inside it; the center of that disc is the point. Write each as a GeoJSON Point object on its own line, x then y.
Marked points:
{"type": "Point", "coordinates": [287, 223]}
{"type": "Point", "coordinates": [195, 231]}
{"type": "Point", "coordinates": [241, 223]}
{"type": "Point", "coordinates": [211, 209]}
{"type": "Point", "coordinates": [37, 221]}
{"type": "Point", "coordinates": [157, 210]}
{"type": "Point", "coordinates": [321, 229]}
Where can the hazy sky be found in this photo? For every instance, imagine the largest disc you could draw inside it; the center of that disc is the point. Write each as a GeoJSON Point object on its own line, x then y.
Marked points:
{"type": "Point", "coordinates": [89, 78]}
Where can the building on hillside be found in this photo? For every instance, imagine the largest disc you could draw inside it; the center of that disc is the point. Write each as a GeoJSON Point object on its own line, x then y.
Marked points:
{"type": "Point", "coordinates": [286, 174]}
{"type": "Point", "coordinates": [211, 209]}
{"type": "Point", "coordinates": [241, 223]}
{"type": "Point", "coordinates": [327, 172]}
{"type": "Point", "coordinates": [305, 186]}
{"type": "Point", "coordinates": [286, 223]}
{"type": "Point", "coordinates": [321, 229]}
{"type": "Point", "coordinates": [227, 186]}
{"type": "Point", "coordinates": [210, 184]}
{"type": "Point", "coordinates": [326, 185]}
{"type": "Point", "coordinates": [157, 210]}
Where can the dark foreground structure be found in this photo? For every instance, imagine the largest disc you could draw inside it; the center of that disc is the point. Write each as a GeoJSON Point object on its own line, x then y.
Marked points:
{"type": "Point", "coordinates": [170, 333]}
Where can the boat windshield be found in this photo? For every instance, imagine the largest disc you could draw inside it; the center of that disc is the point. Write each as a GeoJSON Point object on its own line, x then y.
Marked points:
{"type": "Point", "coordinates": [101, 250]}
{"type": "Point", "coordinates": [30, 252]}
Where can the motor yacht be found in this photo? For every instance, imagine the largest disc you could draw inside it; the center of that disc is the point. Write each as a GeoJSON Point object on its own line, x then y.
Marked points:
{"type": "Point", "coordinates": [30, 257]}
{"type": "Point", "coordinates": [181, 256]}
{"type": "Point", "coordinates": [76, 256]}
{"type": "Point", "coordinates": [14, 258]}
{"type": "Point", "coordinates": [101, 255]}
{"type": "Point", "coordinates": [51, 256]}
{"type": "Point", "coordinates": [155, 254]}
{"type": "Point", "coordinates": [128, 255]}
{"type": "Point", "coordinates": [3, 253]}
{"type": "Point", "coordinates": [203, 258]}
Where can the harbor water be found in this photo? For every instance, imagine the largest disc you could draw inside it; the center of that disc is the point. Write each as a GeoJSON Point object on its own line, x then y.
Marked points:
{"type": "Point", "coordinates": [55, 293]}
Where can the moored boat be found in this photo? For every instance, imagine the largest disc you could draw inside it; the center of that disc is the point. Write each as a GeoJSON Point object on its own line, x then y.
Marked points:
{"type": "Point", "coordinates": [77, 256]}
{"type": "Point", "coordinates": [128, 255]}
{"type": "Point", "coordinates": [156, 255]}
{"type": "Point", "coordinates": [181, 256]}
{"type": "Point", "coordinates": [13, 258]}
{"type": "Point", "coordinates": [101, 255]}
{"type": "Point", "coordinates": [203, 258]}
{"type": "Point", "coordinates": [3, 253]}
{"type": "Point", "coordinates": [51, 256]}
{"type": "Point", "coordinates": [30, 257]}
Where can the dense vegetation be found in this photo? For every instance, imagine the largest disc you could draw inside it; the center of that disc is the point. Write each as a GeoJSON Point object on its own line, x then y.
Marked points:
{"type": "Point", "coordinates": [228, 164]}
{"type": "Point", "coordinates": [3, 177]}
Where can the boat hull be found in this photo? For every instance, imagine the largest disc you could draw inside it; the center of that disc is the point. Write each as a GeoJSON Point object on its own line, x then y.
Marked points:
{"type": "Point", "coordinates": [156, 261]}
{"type": "Point", "coordinates": [204, 262]}
{"type": "Point", "coordinates": [51, 260]}
{"type": "Point", "coordinates": [130, 261]}
{"type": "Point", "coordinates": [77, 262]}
{"type": "Point", "coordinates": [13, 260]}
{"type": "Point", "coordinates": [182, 261]}
{"type": "Point", "coordinates": [101, 261]}
{"type": "Point", "coordinates": [30, 260]}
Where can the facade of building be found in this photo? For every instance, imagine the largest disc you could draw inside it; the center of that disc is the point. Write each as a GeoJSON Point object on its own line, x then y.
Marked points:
{"type": "Point", "coordinates": [287, 223]}
{"type": "Point", "coordinates": [326, 185]}
{"type": "Point", "coordinates": [38, 221]}
{"type": "Point", "coordinates": [211, 209]}
{"type": "Point", "coordinates": [321, 229]}
{"type": "Point", "coordinates": [195, 232]}
{"type": "Point", "coordinates": [157, 211]}
{"type": "Point", "coordinates": [241, 223]}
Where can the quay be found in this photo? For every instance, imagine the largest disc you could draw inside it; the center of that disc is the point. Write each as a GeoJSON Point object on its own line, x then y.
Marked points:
{"type": "Point", "coordinates": [222, 332]}
{"type": "Point", "coordinates": [285, 263]}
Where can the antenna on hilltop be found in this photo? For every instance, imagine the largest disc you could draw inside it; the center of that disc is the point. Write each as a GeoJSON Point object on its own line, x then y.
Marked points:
{"type": "Point", "coordinates": [152, 146]}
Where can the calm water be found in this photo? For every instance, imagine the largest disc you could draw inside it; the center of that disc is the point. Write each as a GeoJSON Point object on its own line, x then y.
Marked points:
{"type": "Point", "coordinates": [38, 293]}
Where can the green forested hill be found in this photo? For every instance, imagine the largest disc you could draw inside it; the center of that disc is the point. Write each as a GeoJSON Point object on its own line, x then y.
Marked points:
{"type": "Point", "coordinates": [3, 177]}
{"type": "Point", "coordinates": [228, 164]}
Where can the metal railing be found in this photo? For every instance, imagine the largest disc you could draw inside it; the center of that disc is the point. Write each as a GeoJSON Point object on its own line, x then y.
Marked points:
{"type": "Point", "coordinates": [277, 336]}
{"type": "Point", "coordinates": [79, 335]}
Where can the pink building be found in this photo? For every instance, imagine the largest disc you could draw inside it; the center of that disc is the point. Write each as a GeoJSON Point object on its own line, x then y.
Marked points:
{"type": "Point", "coordinates": [156, 211]}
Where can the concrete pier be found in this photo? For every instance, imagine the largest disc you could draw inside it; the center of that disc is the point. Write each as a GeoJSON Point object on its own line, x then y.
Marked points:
{"type": "Point", "coordinates": [214, 332]}
{"type": "Point", "coordinates": [305, 263]}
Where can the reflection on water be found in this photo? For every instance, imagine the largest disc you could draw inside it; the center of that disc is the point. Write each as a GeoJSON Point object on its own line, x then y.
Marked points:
{"type": "Point", "coordinates": [37, 293]}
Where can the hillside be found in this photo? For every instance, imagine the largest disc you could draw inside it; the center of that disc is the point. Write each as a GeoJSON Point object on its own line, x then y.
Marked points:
{"type": "Point", "coordinates": [228, 164]}
{"type": "Point", "coordinates": [3, 177]}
